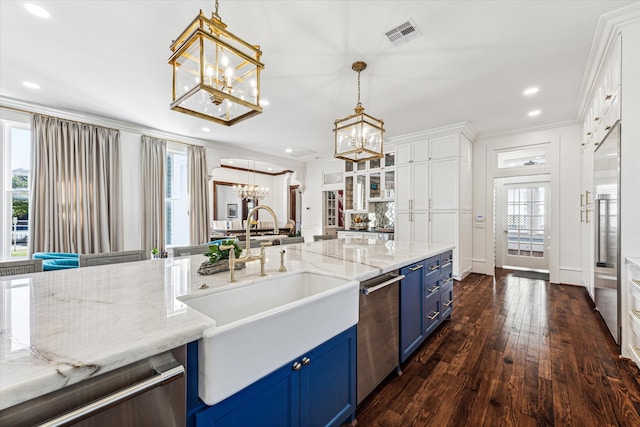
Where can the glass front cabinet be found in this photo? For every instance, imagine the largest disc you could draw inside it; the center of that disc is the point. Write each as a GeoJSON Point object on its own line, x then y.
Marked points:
{"type": "Point", "coordinates": [373, 180]}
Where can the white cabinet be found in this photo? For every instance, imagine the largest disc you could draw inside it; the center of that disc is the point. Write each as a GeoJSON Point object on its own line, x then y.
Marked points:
{"type": "Point", "coordinates": [605, 103]}
{"type": "Point", "coordinates": [586, 219]}
{"type": "Point", "coordinates": [412, 192]}
{"type": "Point", "coordinates": [412, 226]}
{"type": "Point", "coordinates": [603, 113]}
{"type": "Point", "coordinates": [433, 191]}
{"type": "Point", "coordinates": [631, 311]}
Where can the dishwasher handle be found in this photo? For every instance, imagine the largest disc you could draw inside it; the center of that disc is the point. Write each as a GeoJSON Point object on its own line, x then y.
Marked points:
{"type": "Point", "coordinates": [161, 378]}
{"type": "Point", "coordinates": [370, 290]}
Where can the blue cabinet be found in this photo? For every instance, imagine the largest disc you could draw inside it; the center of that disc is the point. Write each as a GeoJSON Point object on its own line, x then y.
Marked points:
{"type": "Point", "coordinates": [411, 309]}
{"type": "Point", "coordinates": [317, 388]}
{"type": "Point", "coordinates": [426, 298]}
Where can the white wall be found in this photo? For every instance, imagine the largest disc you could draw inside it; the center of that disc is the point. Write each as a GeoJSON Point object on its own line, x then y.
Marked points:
{"type": "Point", "coordinates": [564, 166]}
{"type": "Point", "coordinates": [312, 195]}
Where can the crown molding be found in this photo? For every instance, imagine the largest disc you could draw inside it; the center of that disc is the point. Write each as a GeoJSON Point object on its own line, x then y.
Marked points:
{"type": "Point", "coordinates": [607, 31]}
{"type": "Point", "coordinates": [462, 127]}
{"type": "Point", "coordinates": [556, 125]}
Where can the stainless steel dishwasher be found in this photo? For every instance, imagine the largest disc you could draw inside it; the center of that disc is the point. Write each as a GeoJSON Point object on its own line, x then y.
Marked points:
{"type": "Point", "coordinates": [378, 331]}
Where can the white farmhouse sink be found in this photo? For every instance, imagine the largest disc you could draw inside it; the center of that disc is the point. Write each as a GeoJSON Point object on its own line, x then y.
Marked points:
{"type": "Point", "coordinates": [265, 324]}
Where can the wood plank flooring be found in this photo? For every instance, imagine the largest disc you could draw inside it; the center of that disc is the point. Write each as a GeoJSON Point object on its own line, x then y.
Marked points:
{"type": "Point", "coordinates": [517, 352]}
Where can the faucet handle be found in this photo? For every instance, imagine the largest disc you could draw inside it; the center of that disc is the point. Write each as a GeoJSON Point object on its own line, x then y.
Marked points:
{"type": "Point", "coordinates": [263, 244]}
{"type": "Point", "coordinates": [226, 247]}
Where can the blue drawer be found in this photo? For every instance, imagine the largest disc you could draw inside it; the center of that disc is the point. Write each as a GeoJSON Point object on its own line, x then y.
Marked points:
{"type": "Point", "coordinates": [431, 315]}
{"type": "Point", "coordinates": [446, 300]}
{"type": "Point", "coordinates": [431, 290]}
{"type": "Point", "coordinates": [432, 269]}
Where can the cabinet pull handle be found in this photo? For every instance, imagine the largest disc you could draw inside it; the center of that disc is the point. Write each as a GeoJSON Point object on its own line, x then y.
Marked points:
{"type": "Point", "coordinates": [607, 127]}
{"type": "Point", "coordinates": [306, 361]}
{"type": "Point", "coordinates": [161, 378]}
{"type": "Point", "coordinates": [446, 262]}
{"type": "Point", "coordinates": [434, 267]}
{"type": "Point", "coordinates": [586, 216]}
{"type": "Point", "coordinates": [435, 288]}
{"type": "Point", "coordinates": [417, 267]}
{"type": "Point", "coordinates": [586, 198]}
{"type": "Point", "coordinates": [636, 312]}
{"type": "Point", "coordinates": [448, 280]}
{"type": "Point", "coordinates": [297, 366]}
{"type": "Point", "coordinates": [636, 281]}
{"type": "Point", "coordinates": [581, 216]}
{"type": "Point", "coordinates": [434, 315]}
{"type": "Point", "coordinates": [448, 304]}
{"type": "Point", "coordinates": [608, 97]}
{"type": "Point", "coordinates": [581, 200]}
{"type": "Point", "coordinates": [595, 119]}
{"type": "Point", "coordinates": [429, 202]}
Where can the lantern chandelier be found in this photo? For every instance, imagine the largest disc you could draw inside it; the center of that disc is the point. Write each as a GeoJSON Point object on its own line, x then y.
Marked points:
{"type": "Point", "coordinates": [216, 75]}
{"type": "Point", "coordinates": [358, 137]}
{"type": "Point", "coordinates": [251, 191]}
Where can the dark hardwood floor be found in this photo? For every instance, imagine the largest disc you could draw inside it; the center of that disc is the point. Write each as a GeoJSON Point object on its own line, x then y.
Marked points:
{"type": "Point", "coordinates": [517, 352]}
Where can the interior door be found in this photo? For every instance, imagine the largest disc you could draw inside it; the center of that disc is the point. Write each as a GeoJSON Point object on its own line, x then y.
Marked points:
{"type": "Point", "coordinates": [522, 226]}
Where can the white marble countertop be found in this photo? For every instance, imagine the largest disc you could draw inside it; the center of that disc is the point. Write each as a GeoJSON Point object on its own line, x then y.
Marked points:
{"type": "Point", "coordinates": [58, 328]}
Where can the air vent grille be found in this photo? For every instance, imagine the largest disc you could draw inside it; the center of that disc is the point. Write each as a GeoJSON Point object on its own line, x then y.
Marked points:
{"type": "Point", "coordinates": [404, 32]}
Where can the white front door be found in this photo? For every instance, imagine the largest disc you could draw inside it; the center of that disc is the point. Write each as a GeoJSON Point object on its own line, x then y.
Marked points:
{"type": "Point", "coordinates": [522, 226]}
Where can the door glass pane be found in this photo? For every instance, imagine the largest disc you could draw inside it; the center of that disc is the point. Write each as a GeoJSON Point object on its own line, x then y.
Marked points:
{"type": "Point", "coordinates": [389, 184]}
{"type": "Point", "coordinates": [525, 222]}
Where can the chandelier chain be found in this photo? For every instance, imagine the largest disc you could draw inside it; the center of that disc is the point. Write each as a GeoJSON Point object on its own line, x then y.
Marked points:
{"type": "Point", "coordinates": [359, 104]}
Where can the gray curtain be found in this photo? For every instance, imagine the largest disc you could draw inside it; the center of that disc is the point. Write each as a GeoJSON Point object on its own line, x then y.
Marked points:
{"type": "Point", "coordinates": [154, 160]}
{"type": "Point", "coordinates": [76, 197]}
{"type": "Point", "coordinates": [198, 195]}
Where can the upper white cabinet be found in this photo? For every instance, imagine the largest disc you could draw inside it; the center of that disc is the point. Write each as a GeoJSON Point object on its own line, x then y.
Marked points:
{"type": "Point", "coordinates": [604, 111]}
{"type": "Point", "coordinates": [433, 191]}
{"type": "Point", "coordinates": [412, 152]}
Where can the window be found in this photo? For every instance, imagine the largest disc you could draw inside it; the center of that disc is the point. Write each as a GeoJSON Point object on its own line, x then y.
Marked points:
{"type": "Point", "coordinates": [176, 200]}
{"type": "Point", "coordinates": [522, 157]}
{"type": "Point", "coordinates": [15, 159]}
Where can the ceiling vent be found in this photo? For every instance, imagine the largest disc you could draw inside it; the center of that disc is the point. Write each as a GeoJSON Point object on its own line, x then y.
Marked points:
{"type": "Point", "coordinates": [302, 153]}
{"type": "Point", "coordinates": [404, 33]}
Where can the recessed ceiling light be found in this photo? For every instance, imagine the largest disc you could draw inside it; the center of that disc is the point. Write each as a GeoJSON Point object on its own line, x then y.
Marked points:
{"type": "Point", "coordinates": [36, 10]}
{"type": "Point", "coordinates": [270, 169]}
{"type": "Point", "coordinates": [31, 85]}
{"type": "Point", "coordinates": [230, 162]}
{"type": "Point", "coordinates": [534, 113]}
{"type": "Point", "coordinates": [531, 91]}
{"type": "Point", "coordinates": [288, 150]}
{"type": "Point", "coordinates": [264, 102]}
{"type": "Point", "coordinates": [206, 129]}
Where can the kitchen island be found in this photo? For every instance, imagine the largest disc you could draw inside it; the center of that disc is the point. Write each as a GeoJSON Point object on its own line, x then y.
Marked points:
{"type": "Point", "coordinates": [63, 327]}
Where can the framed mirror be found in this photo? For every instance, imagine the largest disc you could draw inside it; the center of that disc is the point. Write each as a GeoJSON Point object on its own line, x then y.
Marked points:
{"type": "Point", "coordinates": [227, 207]}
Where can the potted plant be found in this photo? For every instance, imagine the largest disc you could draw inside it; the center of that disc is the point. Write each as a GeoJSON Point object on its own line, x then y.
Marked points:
{"type": "Point", "coordinates": [155, 253]}
{"type": "Point", "coordinates": [218, 258]}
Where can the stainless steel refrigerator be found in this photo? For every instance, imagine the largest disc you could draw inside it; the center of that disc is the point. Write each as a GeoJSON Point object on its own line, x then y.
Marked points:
{"type": "Point", "coordinates": [606, 180]}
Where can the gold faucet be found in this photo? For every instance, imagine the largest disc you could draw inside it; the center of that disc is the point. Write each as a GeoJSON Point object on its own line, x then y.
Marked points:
{"type": "Point", "coordinates": [248, 257]}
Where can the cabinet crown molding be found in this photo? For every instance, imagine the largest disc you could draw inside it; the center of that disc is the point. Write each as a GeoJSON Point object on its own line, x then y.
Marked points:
{"type": "Point", "coordinates": [462, 127]}
{"type": "Point", "coordinates": [607, 31]}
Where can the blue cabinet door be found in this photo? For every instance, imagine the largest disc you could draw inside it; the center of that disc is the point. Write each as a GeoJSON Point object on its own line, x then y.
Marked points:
{"type": "Point", "coordinates": [318, 388]}
{"type": "Point", "coordinates": [271, 401]}
{"type": "Point", "coordinates": [328, 382]}
{"type": "Point", "coordinates": [411, 309]}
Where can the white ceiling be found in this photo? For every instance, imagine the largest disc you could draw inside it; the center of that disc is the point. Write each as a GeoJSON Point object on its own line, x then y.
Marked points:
{"type": "Point", "coordinates": [471, 63]}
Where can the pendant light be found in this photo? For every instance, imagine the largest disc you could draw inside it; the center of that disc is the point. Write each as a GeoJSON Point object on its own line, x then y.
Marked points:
{"type": "Point", "coordinates": [358, 137]}
{"type": "Point", "coordinates": [216, 75]}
